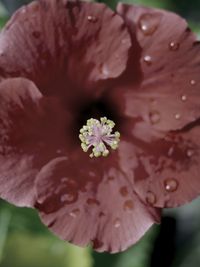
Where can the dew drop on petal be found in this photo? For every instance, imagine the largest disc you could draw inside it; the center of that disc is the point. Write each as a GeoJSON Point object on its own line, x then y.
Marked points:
{"type": "Point", "coordinates": [170, 151]}
{"type": "Point", "coordinates": [128, 205]}
{"type": "Point", "coordinates": [67, 197]}
{"type": "Point", "coordinates": [74, 213]}
{"type": "Point", "coordinates": [104, 70]}
{"type": "Point", "coordinates": [123, 191]}
{"type": "Point", "coordinates": [192, 82]}
{"type": "Point", "coordinates": [171, 185]}
{"type": "Point", "coordinates": [92, 19]}
{"type": "Point", "coordinates": [177, 116]}
{"type": "Point", "coordinates": [190, 153]}
{"type": "Point", "coordinates": [183, 98]}
{"type": "Point", "coordinates": [174, 46]}
{"type": "Point", "coordinates": [117, 223]}
{"type": "Point", "coordinates": [92, 201]}
{"type": "Point", "coordinates": [148, 23]}
{"type": "Point", "coordinates": [92, 174]}
{"type": "Point", "coordinates": [23, 10]}
{"type": "Point", "coordinates": [124, 41]}
{"type": "Point", "coordinates": [147, 60]}
{"type": "Point", "coordinates": [64, 179]}
{"type": "Point", "coordinates": [150, 198]}
{"type": "Point", "coordinates": [154, 117]}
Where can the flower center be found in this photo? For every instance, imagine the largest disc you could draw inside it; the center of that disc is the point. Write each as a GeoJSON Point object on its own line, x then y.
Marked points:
{"type": "Point", "coordinates": [97, 134]}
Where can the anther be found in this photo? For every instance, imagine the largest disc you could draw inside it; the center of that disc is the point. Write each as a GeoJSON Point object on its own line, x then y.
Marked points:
{"type": "Point", "coordinates": [97, 134]}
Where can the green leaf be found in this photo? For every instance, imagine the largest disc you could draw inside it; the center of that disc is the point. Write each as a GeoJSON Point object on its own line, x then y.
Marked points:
{"type": "Point", "coordinates": [4, 224]}
{"type": "Point", "coordinates": [78, 257]}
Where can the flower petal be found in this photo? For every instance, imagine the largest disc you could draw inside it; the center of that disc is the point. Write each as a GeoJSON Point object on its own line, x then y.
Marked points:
{"type": "Point", "coordinates": [164, 167]}
{"type": "Point", "coordinates": [165, 93]}
{"type": "Point", "coordinates": [89, 204]}
{"type": "Point", "coordinates": [172, 168]}
{"type": "Point", "coordinates": [28, 139]}
{"type": "Point", "coordinates": [58, 43]}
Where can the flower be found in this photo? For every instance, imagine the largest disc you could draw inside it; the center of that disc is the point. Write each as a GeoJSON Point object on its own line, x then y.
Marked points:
{"type": "Point", "coordinates": [130, 81]}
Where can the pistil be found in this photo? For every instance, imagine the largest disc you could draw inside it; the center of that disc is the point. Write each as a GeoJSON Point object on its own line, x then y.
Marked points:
{"type": "Point", "coordinates": [97, 135]}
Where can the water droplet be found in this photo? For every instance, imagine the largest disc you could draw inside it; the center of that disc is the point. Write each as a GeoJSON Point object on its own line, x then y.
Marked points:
{"type": "Point", "coordinates": [154, 117]}
{"type": "Point", "coordinates": [74, 213]}
{"type": "Point", "coordinates": [174, 46]}
{"type": "Point", "coordinates": [128, 205]}
{"type": "Point", "coordinates": [190, 153]}
{"type": "Point", "coordinates": [148, 60]}
{"type": "Point", "coordinates": [150, 198]}
{"type": "Point", "coordinates": [148, 23]}
{"type": "Point", "coordinates": [177, 116]}
{"type": "Point", "coordinates": [92, 201]}
{"type": "Point", "coordinates": [67, 197]}
{"type": "Point", "coordinates": [36, 34]}
{"type": "Point", "coordinates": [92, 174]}
{"type": "Point", "coordinates": [184, 98]}
{"type": "Point", "coordinates": [124, 41]}
{"type": "Point", "coordinates": [64, 179]}
{"type": "Point", "coordinates": [92, 19]}
{"type": "Point", "coordinates": [171, 185]}
{"type": "Point", "coordinates": [105, 71]}
{"type": "Point", "coordinates": [192, 82]}
{"type": "Point", "coordinates": [123, 191]}
{"type": "Point", "coordinates": [117, 223]}
{"type": "Point", "coordinates": [23, 10]}
{"type": "Point", "coordinates": [170, 151]}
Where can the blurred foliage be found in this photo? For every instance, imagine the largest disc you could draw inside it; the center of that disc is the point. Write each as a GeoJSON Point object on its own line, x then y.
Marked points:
{"type": "Point", "coordinates": [137, 256]}
{"type": "Point", "coordinates": [23, 236]}
{"type": "Point", "coordinates": [188, 9]}
{"type": "Point", "coordinates": [30, 243]}
{"type": "Point", "coordinates": [154, 3]}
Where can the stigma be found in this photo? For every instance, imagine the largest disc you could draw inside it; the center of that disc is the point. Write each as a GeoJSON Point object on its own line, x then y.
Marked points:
{"type": "Point", "coordinates": [97, 135]}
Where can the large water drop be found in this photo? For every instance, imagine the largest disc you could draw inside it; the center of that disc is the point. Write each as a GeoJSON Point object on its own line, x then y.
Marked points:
{"type": "Point", "coordinates": [74, 213]}
{"type": "Point", "coordinates": [154, 117]}
{"type": "Point", "coordinates": [148, 23]}
{"type": "Point", "coordinates": [174, 46]}
{"type": "Point", "coordinates": [92, 19]}
{"type": "Point", "coordinates": [128, 205]}
{"type": "Point", "coordinates": [123, 191]}
{"type": "Point", "coordinates": [148, 60]}
{"type": "Point", "coordinates": [117, 223]}
{"type": "Point", "coordinates": [150, 198]}
{"type": "Point", "coordinates": [171, 184]}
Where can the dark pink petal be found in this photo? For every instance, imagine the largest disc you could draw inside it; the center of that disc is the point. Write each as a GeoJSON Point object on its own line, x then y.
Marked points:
{"type": "Point", "coordinates": [166, 171]}
{"type": "Point", "coordinates": [32, 131]}
{"type": "Point", "coordinates": [160, 107]}
{"type": "Point", "coordinates": [62, 45]}
{"type": "Point", "coordinates": [165, 93]}
{"type": "Point", "coordinates": [92, 201]}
